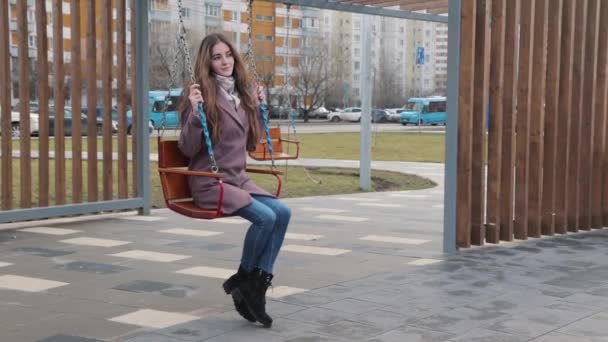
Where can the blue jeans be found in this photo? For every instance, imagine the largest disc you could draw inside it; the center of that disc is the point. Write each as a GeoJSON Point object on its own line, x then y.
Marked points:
{"type": "Point", "coordinates": [269, 218]}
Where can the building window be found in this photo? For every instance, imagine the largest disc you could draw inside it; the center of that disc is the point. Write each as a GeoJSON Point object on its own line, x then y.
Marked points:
{"type": "Point", "coordinates": [357, 38]}
{"type": "Point", "coordinates": [259, 17]}
{"type": "Point", "coordinates": [212, 11]}
{"type": "Point", "coordinates": [357, 24]}
{"type": "Point", "coordinates": [326, 20]}
{"type": "Point", "coordinates": [356, 77]}
{"type": "Point", "coordinates": [185, 12]}
{"type": "Point", "coordinates": [357, 51]}
{"type": "Point", "coordinates": [401, 30]}
{"type": "Point", "coordinates": [235, 16]}
{"type": "Point", "coordinates": [357, 65]}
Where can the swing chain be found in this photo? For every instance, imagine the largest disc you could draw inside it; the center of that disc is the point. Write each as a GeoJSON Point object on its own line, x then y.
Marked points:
{"type": "Point", "coordinates": [249, 56]}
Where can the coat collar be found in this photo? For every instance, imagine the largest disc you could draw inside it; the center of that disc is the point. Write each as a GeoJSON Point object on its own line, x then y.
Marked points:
{"type": "Point", "coordinates": [229, 108]}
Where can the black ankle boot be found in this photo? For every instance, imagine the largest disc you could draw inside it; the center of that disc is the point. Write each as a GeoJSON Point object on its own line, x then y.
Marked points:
{"type": "Point", "coordinates": [253, 293]}
{"type": "Point", "coordinates": [229, 285]}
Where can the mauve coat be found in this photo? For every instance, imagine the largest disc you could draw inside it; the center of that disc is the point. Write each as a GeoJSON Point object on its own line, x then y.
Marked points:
{"type": "Point", "coordinates": [230, 155]}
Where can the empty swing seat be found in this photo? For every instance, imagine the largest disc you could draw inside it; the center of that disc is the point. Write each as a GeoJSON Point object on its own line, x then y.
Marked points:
{"type": "Point", "coordinates": [279, 152]}
{"type": "Point", "coordinates": [172, 168]}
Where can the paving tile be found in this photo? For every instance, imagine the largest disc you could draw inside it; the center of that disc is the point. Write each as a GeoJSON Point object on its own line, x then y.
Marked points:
{"type": "Point", "coordinates": [353, 306]}
{"type": "Point", "coordinates": [320, 316]}
{"type": "Point", "coordinates": [595, 326]}
{"type": "Point", "coordinates": [190, 232]}
{"type": "Point", "coordinates": [5, 264]}
{"type": "Point", "coordinates": [408, 196]}
{"type": "Point", "coordinates": [385, 320]}
{"type": "Point", "coordinates": [95, 242]}
{"type": "Point", "coordinates": [43, 252]}
{"type": "Point", "coordinates": [314, 250]}
{"type": "Point", "coordinates": [143, 218]}
{"type": "Point", "coordinates": [350, 330]}
{"type": "Point", "coordinates": [50, 230]}
{"type": "Point", "coordinates": [484, 335]}
{"type": "Point", "coordinates": [394, 239]}
{"type": "Point", "coordinates": [423, 262]}
{"type": "Point", "coordinates": [283, 291]}
{"type": "Point", "coordinates": [91, 267]}
{"type": "Point", "coordinates": [342, 218]}
{"type": "Point", "coordinates": [68, 338]}
{"type": "Point", "coordinates": [323, 210]}
{"type": "Point", "coordinates": [378, 205]}
{"type": "Point", "coordinates": [559, 337]}
{"type": "Point", "coordinates": [151, 256]}
{"type": "Point", "coordinates": [210, 272]}
{"type": "Point", "coordinates": [151, 337]}
{"type": "Point", "coordinates": [305, 237]}
{"type": "Point", "coordinates": [411, 334]}
{"type": "Point", "coordinates": [27, 284]}
{"type": "Point", "coordinates": [230, 220]}
{"type": "Point", "coordinates": [165, 289]}
{"type": "Point", "coordinates": [153, 318]}
{"type": "Point", "coordinates": [357, 199]}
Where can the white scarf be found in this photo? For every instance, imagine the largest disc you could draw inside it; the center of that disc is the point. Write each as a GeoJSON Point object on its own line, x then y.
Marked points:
{"type": "Point", "coordinates": [228, 90]}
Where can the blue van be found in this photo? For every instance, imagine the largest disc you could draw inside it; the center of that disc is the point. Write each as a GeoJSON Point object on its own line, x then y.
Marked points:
{"type": "Point", "coordinates": [157, 105]}
{"type": "Point", "coordinates": [424, 111]}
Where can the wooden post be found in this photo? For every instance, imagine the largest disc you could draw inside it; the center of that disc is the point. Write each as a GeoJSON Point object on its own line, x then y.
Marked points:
{"type": "Point", "coordinates": [76, 103]}
{"type": "Point", "coordinates": [106, 83]}
{"type": "Point", "coordinates": [25, 158]}
{"type": "Point", "coordinates": [551, 117]}
{"type": "Point", "coordinates": [58, 68]}
{"type": "Point", "coordinates": [523, 119]}
{"type": "Point", "coordinates": [92, 187]}
{"type": "Point", "coordinates": [465, 122]}
{"type": "Point", "coordinates": [134, 108]}
{"type": "Point", "coordinates": [537, 118]}
{"type": "Point", "coordinates": [480, 107]}
{"type": "Point", "coordinates": [5, 107]}
{"type": "Point", "coordinates": [509, 114]}
{"type": "Point", "coordinates": [562, 178]}
{"type": "Point", "coordinates": [121, 55]}
{"type": "Point", "coordinates": [42, 47]}
{"type": "Point", "coordinates": [495, 149]}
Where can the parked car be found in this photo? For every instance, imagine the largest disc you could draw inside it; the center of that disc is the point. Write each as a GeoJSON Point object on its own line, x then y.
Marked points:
{"type": "Point", "coordinates": [380, 115]}
{"type": "Point", "coordinates": [68, 123]}
{"type": "Point", "coordinates": [319, 113]}
{"type": "Point", "coordinates": [347, 114]}
{"type": "Point", "coordinates": [158, 99]}
{"type": "Point", "coordinates": [99, 111]}
{"type": "Point", "coordinates": [430, 110]}
{"type": "Point", "coordinates": [393, 114]}
{"type": "Point", "coordinates": [16, 126]}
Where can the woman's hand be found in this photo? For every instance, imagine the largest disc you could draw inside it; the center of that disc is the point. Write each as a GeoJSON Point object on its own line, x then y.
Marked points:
{"type": "Point", "coordinates": [261, 94]}
{"type": "Point", "coordinates": [195, 96]}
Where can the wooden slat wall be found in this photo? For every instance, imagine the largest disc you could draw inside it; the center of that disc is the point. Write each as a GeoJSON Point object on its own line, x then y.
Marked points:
{"type": "Point", "coordinates": [551, 118]}
{"type": "Point", "coordinates": [106, 84]}
{"type": "Point", "coordinates": [45, 184]}
{"type": "Point", "coordinates": [76, 72]}
{"type": "Point", "coordinates": [92, 187]}
{"type": "Point", "coordinates": [121, 54]}
{"type": "Point", "coordinates": [480, 103]}
{"type": "Point", "coordinates": [5, 107]}
{"type": "Point", "coordinates": [25, 171]}
{"type": "Point", "coordinates": [537, 117]}
{"type": "Point", "coordinates": [43, 102]}
{"type": "Point", "coordinates": [548, 123]}
{"type": "Point", "coordinates": [495, 126]}
{"type": "Point", "coordinates": [58, 75]}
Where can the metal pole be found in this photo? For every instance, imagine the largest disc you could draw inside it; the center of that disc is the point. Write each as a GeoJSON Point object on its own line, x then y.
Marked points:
{"type": "Point", "coordinates": [143, 148]}
{"type": "Point", "coordinates": [366, 97]}
{"type": "Point", "coordinates": [451, 131]}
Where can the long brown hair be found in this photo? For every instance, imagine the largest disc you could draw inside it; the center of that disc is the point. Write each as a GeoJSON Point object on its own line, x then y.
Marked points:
{"type": "Point", "coordinates": [209, 88]}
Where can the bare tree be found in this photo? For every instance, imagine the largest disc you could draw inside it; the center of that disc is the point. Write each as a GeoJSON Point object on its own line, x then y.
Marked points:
{"type": "Point", "coordinates": [387, 90]}
{"type": "Point", "coordinates": [311, 80]}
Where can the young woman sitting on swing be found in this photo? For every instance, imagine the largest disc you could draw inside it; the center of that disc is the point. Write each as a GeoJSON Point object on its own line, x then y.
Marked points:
{"type": "Point", "coordinates": [230, 100]}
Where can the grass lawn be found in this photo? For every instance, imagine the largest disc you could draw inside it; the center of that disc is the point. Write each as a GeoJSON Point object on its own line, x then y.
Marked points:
{"type": "Point", "coordinates": [296, 182]}
{"type": "Point", "coordinates": [386, 146]}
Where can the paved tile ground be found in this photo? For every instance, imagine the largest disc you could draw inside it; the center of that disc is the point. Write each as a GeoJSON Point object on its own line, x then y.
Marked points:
{"type": "Point", "coordinates": [111, 278]}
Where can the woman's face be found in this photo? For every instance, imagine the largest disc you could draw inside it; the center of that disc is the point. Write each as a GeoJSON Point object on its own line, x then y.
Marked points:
{"type": "Point", "coordinates": [222, 61]}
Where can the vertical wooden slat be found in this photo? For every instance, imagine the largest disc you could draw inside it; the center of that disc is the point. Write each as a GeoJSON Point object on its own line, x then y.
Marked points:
{"type": "Point", "coordinates": [465, 121]}
{"type": "Point", "coordinates": [480, 105]}
{"type": "Point", "coordinates": [562, 178]}
{"type": "Point", "coordinates": [76, 103]}
{"type": "Point", "coordinates": [602, 110]}
{"type": "Point", "coordinates": [5, 107]}
{"type": "Point", "coordinates": [121, 54]}
{"type": "Point", "coordinates": [495, 155]}
{"type": "Point", "coordinates": [523, 119]}
{"type": "Point", "coordinates": [509, 118]}
{"type": "Point", "coordinates": [106, 83]}
{"type": "Point", "coordinates": [576, 115]}
{"type": "Point", "coordinates": [43, 103]}
{"type": "Point", "coordinates": [551, 113]}
{"type": "Point", "coordinates": [134, 109]}
{"type": "Point", "coordinates": [586, 191]}
{"type": "Point", "coordinates": [92, 189]}
{"type": "Point", "coordinates": [25, 158]}
{"type": "Point", "coordinates": [537, 113]}
{"type": "Point", "coordinates": [58, 75]}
